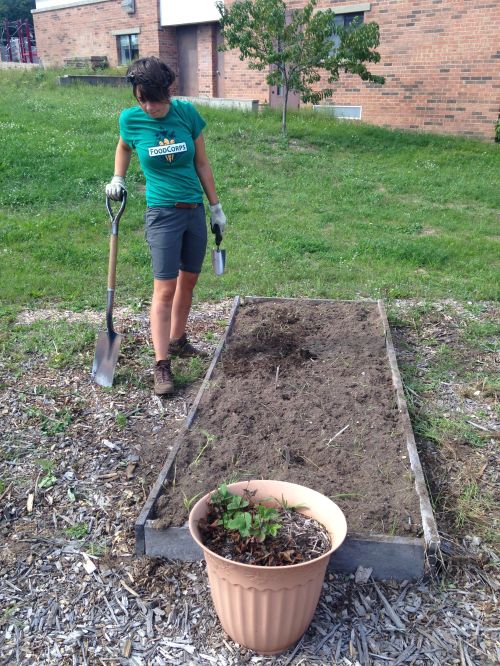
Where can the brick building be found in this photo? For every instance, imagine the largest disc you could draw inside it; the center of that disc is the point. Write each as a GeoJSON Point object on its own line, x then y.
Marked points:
{"type": "Point", "coordinates": [440, 57]}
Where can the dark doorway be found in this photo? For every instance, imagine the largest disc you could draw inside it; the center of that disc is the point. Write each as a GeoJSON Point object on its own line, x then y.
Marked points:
{"type": "Point", "coordinates": [187, 49]}
{"type": "Point", "coordinates": [277, 97]}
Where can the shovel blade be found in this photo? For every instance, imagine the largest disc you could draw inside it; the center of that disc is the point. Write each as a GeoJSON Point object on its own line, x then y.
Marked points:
{"type": "Point", "coordinates": [106, 356]}
{"type": "Point", "coordinates": [218, 261]}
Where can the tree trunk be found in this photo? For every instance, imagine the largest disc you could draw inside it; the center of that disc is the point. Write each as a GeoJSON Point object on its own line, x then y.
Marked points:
{"type": "Point", "coordinates": [283, 115]}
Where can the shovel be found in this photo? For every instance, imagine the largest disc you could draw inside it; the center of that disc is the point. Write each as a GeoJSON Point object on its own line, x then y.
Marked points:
{"type": "Point", "coordinates": [218, 255]}
{"type": "Point", "coordinates": [108, 342]}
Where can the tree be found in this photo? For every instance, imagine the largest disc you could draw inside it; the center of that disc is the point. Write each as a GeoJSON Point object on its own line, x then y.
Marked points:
{"type": "Point", "coordinates": [298, 45]}
{"type": "Point", "coordinates": [12, 10]}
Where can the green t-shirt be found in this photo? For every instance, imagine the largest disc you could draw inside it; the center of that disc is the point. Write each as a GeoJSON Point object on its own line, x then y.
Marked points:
{"type": "Point", "coordinates": [165, 147]}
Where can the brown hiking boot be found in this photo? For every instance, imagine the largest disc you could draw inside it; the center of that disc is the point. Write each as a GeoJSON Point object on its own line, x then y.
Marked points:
{"type": "Point", "coordinates": [164, 383]}
{"type": "Point", "coordinates": [183, 348]}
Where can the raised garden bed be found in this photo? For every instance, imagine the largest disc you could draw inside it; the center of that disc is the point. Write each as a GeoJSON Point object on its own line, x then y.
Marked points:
{"type": "Point", "coordinates": [304, 391]}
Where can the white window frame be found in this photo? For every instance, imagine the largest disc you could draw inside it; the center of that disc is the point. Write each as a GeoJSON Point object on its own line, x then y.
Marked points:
{"type": "Point", "coordinates": [129, 34]}
{"type": "Point", "coordinates": [337, 110]}
{"type": "Point", "coordinates": [342, 10]}
{"type": "Point", "coordinates": [351, 9]}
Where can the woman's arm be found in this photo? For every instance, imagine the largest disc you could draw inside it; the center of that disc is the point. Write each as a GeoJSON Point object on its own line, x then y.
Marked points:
{"type": "Point", "coordinates": [204, 170]}
{"type": "Point", "coordinates": [123, 155]}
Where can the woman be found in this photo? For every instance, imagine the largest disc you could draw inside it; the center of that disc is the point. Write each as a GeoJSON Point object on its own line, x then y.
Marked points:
{"type": "Point", "coordinates": [167, 136]}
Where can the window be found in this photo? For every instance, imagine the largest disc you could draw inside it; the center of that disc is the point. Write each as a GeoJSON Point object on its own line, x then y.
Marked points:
{"type": "Point", "coordinates": [128, 48]}
{"type": "Point", "coordinates": [339, 111]}
{"type": "Point", "coordinates": [345, 21]}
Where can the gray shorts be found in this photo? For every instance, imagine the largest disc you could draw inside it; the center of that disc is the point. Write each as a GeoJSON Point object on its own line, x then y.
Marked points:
{"type": "Point", "coordinates": [177, 239]}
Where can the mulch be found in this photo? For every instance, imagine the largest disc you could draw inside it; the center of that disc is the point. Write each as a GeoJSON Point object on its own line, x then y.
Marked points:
{"type": "Point", "coordinates": [72, 592]}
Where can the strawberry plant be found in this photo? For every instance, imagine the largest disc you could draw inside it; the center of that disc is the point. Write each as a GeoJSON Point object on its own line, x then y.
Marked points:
{"type": "Point", "coordinates": [238, 513]}
{"type": "Point", "coordinates": [240, 528]}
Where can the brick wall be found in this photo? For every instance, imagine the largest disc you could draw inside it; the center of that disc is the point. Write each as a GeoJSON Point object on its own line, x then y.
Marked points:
{"type": "Point", "coordinates": [86, 30]}
{"type": "Point", "coordinates": [441, 63]}
{"type": "Point", "coordinates": [207, 59]}
{"type": "Point", "coordinates": [241, 82]}
{"type": "Point", "coordinates": [440, 59]}
{"type": "Point", "coordinates": [167, 45]}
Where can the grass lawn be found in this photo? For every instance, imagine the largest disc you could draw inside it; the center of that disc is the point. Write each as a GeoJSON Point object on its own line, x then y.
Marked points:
{"type": "Point", "coordinates": [340, 210]}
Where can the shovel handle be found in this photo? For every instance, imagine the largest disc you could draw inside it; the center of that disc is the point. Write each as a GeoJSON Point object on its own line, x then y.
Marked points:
{"type": "Point", "coordinates": [113, 239]}
{"type": "Point", "coordinates": [113, 251]}
{"type": "Point", "coordinates": [115, 217]}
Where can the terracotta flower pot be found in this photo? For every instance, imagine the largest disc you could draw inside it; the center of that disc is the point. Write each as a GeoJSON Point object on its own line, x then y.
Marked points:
{"type": "Point", "coordinates": [267, 609]}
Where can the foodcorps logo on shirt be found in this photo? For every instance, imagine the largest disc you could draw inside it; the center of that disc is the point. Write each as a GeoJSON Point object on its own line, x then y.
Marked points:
{"type": "Point", "coordinates": [167, 147]}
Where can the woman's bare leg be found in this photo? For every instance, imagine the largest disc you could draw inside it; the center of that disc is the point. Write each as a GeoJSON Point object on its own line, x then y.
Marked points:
{"type": "Point", "coordinates": [182, 301]}
{"type": "Point", "coordinates": [161, 315]}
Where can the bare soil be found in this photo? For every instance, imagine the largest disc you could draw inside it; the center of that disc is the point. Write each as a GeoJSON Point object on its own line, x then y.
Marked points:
{"type": "Point", "coordinates": [303, 392]}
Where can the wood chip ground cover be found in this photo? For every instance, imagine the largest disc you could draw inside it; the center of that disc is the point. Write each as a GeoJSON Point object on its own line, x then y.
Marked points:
{"type": "Point", "coordinates": [71, 591]}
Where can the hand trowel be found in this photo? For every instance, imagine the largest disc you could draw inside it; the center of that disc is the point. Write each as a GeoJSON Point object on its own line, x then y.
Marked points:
{"type": "Point", "coordinates": [218, 255]}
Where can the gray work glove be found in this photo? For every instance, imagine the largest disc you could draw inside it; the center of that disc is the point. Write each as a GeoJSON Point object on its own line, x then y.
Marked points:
{"type": "Point", "coordinates": [217, 218]}
{"type": "Point", "coordinates": [116, 188]}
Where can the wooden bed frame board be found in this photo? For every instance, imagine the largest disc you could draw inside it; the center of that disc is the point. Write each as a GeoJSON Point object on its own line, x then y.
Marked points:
{"type": "Point", "coordinates": [389, 557]}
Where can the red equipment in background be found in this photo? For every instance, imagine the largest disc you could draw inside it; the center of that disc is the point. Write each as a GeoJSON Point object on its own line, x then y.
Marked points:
{"type": "Point", "coordinates": [17, 42]}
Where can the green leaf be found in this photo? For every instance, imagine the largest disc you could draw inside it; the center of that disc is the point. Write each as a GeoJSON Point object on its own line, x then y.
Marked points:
{"type": "Point", "coordinates": [47, 481]}
{"type": "Point", "coordinates": [242, 522]}
{"type": "Point", "coordinates": [237, 502]}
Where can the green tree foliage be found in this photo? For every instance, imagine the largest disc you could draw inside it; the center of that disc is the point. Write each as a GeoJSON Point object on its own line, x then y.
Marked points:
{"type": "Point", "coordinates": [298, 46]}
{"type": "Point", "coordinates": [12, 10]}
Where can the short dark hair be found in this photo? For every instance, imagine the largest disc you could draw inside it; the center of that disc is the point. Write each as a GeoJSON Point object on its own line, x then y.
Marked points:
{"type": "Point", "coordinates": [152, 78]}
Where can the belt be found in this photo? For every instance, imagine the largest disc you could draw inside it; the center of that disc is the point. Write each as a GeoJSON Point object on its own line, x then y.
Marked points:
{"type": "Point", "coordinates": [180, 204]}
